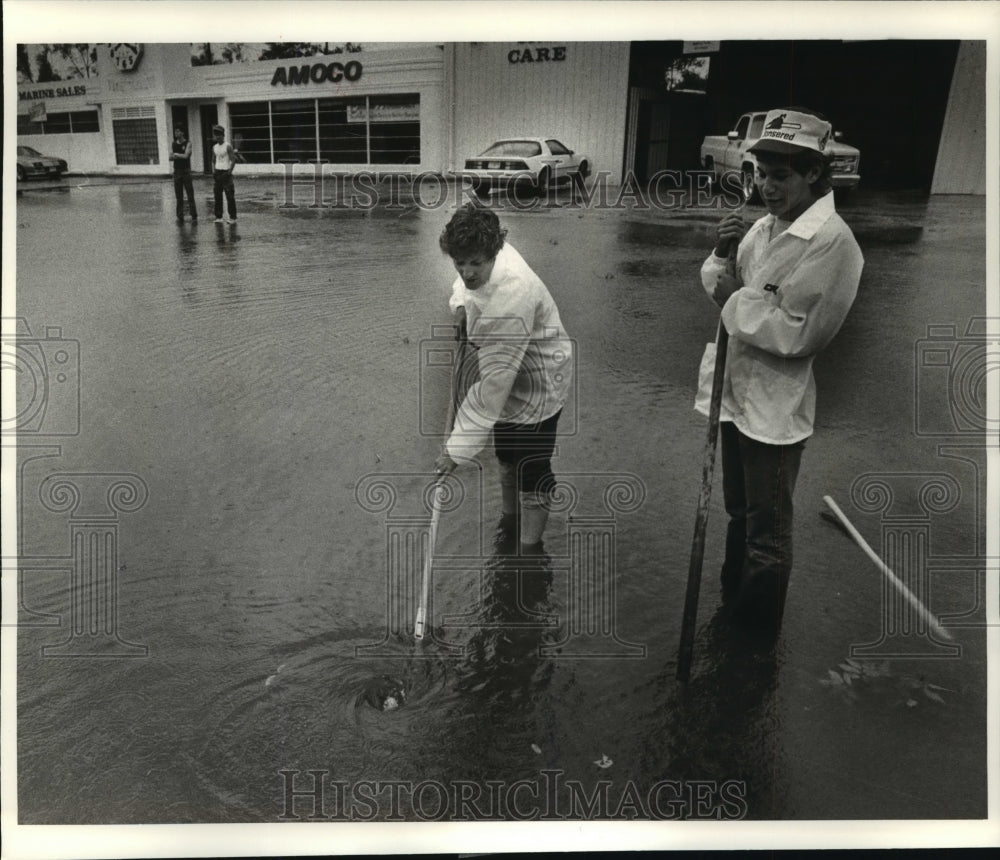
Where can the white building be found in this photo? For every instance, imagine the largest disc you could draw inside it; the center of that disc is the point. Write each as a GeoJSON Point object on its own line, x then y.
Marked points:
{"type": "Point", "coordinates": [427, 107]}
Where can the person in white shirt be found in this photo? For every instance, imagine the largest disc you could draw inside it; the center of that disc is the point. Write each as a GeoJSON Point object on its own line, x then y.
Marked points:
{"type": "Point", "coordinates": [223, 162]}
{"type": "Point", "coordinates": [525, 363]}
{"type": "Point", "coordinates": [797, 273]}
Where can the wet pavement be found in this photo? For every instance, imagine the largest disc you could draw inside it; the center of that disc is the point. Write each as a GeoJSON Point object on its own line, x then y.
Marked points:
{"type": "Point", "coordinates": [274, 389]}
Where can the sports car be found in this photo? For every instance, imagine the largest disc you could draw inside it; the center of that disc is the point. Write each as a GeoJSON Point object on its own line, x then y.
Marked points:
{"type": "Point", "coordinates": [536, 162]}
{"type": "Point", "coordinates": [30, 162]}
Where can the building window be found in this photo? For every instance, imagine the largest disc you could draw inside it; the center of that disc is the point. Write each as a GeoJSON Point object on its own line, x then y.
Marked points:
{"type": "Point", "coordinates": [251, 129]}
{"type": "Point", "coordinates": [293, 130]}
{"type": "Point", "coordinates": [342, 140]}
{"type": "Point", "coordinates": [84, 122]}
{"type": "Point", "coordinates": [73, 122]}
{"type": "Point", "coordinates": [136, 140]}
{"type": "Point", "coordinates": [354, 130]}
{"type": "Point", "coordinates": [394, 129]}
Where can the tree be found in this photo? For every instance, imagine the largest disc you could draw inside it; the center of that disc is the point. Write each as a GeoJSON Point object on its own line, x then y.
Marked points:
{"type": "Point", "coordinates": [203, 55]}
{"type": "Point", "coordinates": [24, 73]}
{"type": "Point", "coordinates": [289, 50]}
{"type": "Point", "coordinates": [688, 74]}
{"type": "Point", "coordinates": [294, 50]}
{"type": "Point", "coordinates": [233, 52]}
{"type": "Point", "coordinates": [80, 61]}
{"type": "Point", "coordinates": [46, 73]}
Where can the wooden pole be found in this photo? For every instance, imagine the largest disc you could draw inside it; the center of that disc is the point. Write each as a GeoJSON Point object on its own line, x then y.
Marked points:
{"type": "Point", "coordinates": [908, 595]}
{"type": "Point", "coordinates": [701, 519]}
{"type": "Point", "coordinates": [453, 402]}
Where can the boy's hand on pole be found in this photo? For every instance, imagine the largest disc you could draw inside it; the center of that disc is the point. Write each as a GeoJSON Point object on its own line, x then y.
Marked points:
{"type": "Point", "coordinates": [444, 465]}
{"type": "Point", "coordinates": [725, 286]}
{"type": "Point", "coordinates": [729, 233]}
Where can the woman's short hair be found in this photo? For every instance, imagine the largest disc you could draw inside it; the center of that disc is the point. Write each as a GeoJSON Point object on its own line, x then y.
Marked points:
{"type": "Point", "coordinates": [472, 231]}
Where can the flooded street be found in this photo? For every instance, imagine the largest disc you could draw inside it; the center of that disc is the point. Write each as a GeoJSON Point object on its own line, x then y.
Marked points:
{"type": "Point", "coordinates": [274, 391]}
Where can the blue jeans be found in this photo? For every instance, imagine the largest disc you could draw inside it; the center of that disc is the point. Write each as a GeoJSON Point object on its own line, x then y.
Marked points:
{"type": "Point", "coordinates": [182, 184]}
{"type": "Point", "coordinates": [758, 481]}
{"type": "Point", "coordinates": [224, 185]}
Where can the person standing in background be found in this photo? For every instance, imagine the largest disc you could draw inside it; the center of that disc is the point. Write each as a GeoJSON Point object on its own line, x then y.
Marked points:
{"type": "Point", "coordinates": [181, 157]}
{"type": "Point", "coordinates": [223, 162]}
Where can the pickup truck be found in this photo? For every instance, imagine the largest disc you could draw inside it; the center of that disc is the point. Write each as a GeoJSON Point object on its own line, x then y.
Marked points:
{"type": "Point", "coordinates": [728, 155]}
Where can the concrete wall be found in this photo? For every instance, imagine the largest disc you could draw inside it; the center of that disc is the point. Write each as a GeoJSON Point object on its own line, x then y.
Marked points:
{"type": "Point", "coordinates": [581, 99]}
{"type": "Point", "coordinates": [961, 158]}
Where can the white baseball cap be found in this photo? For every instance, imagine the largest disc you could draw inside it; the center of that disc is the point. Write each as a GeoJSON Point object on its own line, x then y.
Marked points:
{"type": "Point", "coordinates": [787, 131]}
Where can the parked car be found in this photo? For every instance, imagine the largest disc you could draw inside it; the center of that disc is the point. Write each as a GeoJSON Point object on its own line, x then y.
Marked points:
{"type": "Point", "coordinates": [30, 162]}
{"type": "Point", "coordinates": [537, 162]}
{"type": "Point", "coordinates": [727, 153]}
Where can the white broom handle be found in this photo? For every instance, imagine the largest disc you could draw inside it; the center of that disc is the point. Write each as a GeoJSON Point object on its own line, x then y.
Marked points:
{"type": "Point", "coordinates": [911, 598]}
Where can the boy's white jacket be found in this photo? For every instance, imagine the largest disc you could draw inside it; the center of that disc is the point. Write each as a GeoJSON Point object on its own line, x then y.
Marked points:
{"type": "Point", "coordinates": [525, 357]}
{"type": "Point", "coordinates": [797, 290]}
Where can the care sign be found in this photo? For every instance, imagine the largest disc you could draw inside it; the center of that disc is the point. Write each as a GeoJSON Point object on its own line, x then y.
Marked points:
{"type": "Point", "coordinates": [537, 55]}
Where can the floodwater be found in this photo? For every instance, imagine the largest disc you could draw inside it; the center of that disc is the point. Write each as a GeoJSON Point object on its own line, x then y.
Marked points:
{"type": "Point", "coordinates": [192, 646]}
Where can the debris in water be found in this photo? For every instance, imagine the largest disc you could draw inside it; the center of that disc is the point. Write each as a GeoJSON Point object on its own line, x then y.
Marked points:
{"type": "Point", "coordinates": [930, 694]}
{"type": "Point", "coordinates": [604, 762]}
{"type": "Point", "coordinates": [536, 749]}
{"type": "Point", "coordinates": [272, 678]}
{"type": "Point", "coordinates": [385, 693]}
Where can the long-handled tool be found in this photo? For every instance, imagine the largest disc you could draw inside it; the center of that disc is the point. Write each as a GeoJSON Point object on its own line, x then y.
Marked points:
{"type": "Point", "coordinates": [701, 519]}
{"type": "Point", "coordinates": [437, 499]}
{"type": "Point", "coordinates": [908, 595]}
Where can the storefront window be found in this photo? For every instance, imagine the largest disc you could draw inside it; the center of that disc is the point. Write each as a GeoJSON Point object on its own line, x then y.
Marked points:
{"type": "Point", "coordinates": [136, 140]}
{"type": "Point", "coordinates": [251, 127]}
{"type": "Point", "coordinates": [73, 122]}
{"type": "Point", "coordinates": [356, 130]}
{"type": "Point", "coordinates": [293, 130]}
{"type": "Point", "coordinates": [394, 123]}
{"type": "Point", "coordinates": [342, 140]}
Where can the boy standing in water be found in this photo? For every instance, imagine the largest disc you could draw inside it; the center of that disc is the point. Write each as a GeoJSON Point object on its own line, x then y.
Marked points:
{"type": "Point", "coordinates": [525, 367]}
{"type": "Point", "coordinates": [181, 156]}
{"type": "Point", "coordinates": [797, 274]}
{"type": "Point", "coordinates": [223, 162]}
